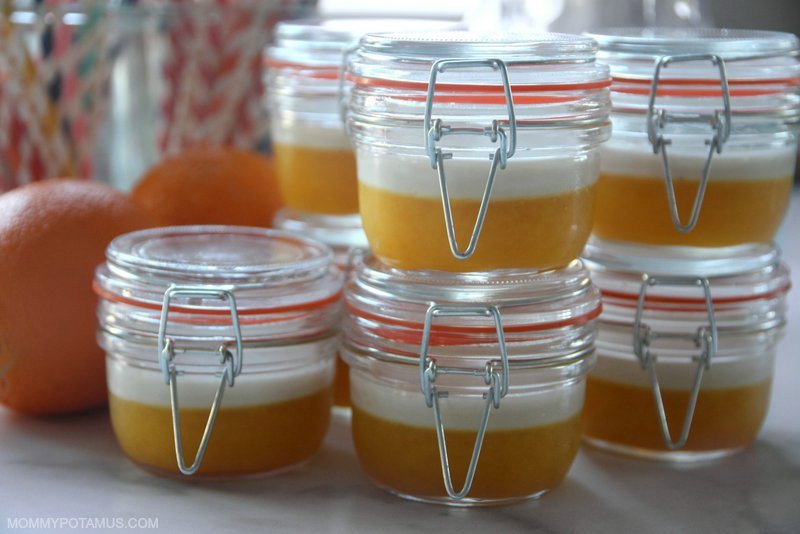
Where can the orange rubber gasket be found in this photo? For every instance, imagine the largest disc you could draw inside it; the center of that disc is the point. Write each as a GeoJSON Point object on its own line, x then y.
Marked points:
{"type": "Point", "coordinates": [458, 334]}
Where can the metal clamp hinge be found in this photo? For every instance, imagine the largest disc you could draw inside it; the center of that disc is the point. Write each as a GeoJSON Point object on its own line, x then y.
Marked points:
{"type": "Point", "coordinates": [435, 129]}
{"type": "Point", "coordinates": [231, 367]}
{"type": "Point", "coordinates": [720, 122]}
{"type": "Point", "coordinates": [704, 338]}
{"type": "Point", "coordinates": [496, 380]}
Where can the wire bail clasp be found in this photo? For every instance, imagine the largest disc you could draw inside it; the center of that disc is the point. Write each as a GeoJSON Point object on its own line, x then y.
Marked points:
{"type": "Point", "coordinates": [435, 129]}
{"type": "Point", "coordinates": [497, 382]}
{"type": "Point", "coordinates": [720, 122]}
{"type": "Point", "coordinates": [232, 366]}
{"type": "Point", "coordinates": [704, 338]}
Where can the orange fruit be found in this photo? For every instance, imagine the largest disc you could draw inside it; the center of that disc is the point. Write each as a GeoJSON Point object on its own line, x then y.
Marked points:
{"type": "Point", "coordinates": [211, 185]}
{"type": "Point", "coordinates": [52, 236]}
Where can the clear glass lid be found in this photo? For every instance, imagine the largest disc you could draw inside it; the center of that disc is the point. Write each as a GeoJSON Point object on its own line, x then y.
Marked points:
{"type": "Point", "coordinates": [532, 58]}
{"type": "Point", "coordinates": [526, 299]}
{"type": "Point", "coordinates": [321, 42]}
{"type": "Point", "coordinates": [744, 281]}
{"type": "Point", "coordinates": [727, 43]}
{"type": "Point", "coordinates": [266, 268]}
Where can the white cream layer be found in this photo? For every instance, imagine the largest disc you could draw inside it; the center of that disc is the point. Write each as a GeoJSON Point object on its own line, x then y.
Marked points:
{"type": "Point", "coordinates": [517, 410]}
{"type": "Point", "coordinates": [678, 373]}
{"type": "Point", "coordinates": [466, 178]}
{"type": "Point", "coordinates": [320, 135]}
{"type": "Point", "coordinates": [639, 161]}
{"type": "Point", "coordinates": [250, 388]}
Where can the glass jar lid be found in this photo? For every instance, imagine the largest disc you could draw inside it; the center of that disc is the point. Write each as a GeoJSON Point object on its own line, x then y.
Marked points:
{"type": "Point", "coordinates": [322, 42]}
{"type": "Point", "coordinates": [727, 43]}
{"type": "Point", "coordinates": [745, 73]}
{"type": "Point", "coordinates": [746, 286]}
{"type": "Point", "coordinates": [393, 303]}
{"type": "Point", "coordinates": [268, 270]}
{"type": "Point", "coordinates": [534, 59]}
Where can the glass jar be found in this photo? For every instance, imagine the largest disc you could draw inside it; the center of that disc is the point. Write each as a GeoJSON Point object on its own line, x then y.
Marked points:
{"type": "Point", "coordinates": [220, 344]}
{"type": "Point", "coordinates": [346, 239]}
{"type": "Point", "coordinates": [684, 362]}
{"type": "Point", "coordinates": [495, 362]}
{"type": "Point", "coordinates": [515, 120]}
{"type": "Point", "coordinates": [705, 136]}
{"type": "Point", "coordinates": [314, 158]}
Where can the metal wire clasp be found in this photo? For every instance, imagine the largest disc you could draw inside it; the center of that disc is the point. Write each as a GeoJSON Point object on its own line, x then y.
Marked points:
{"type": "Point", "coordinates": [705, 338]}
{"type": "Point", "coordinates": [497, 382]}
{"type": "Point", "coordinates": [435, 130]}
{"type": "Point", "coordinates": [720, 123]}
{"type": "Point", "coordinates": [232, 366]}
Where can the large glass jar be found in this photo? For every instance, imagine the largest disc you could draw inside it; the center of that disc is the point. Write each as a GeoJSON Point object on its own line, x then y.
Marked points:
{"type": "Point", "coordinates": [477, 151]}
{"type": "Point", "coordinates": [315, 162]}
{"type": "Point", "coordinates": [220, 346]}
{"type": "Point", "coordinates": [705, 136]}
{"type": "Point", "coordinates": [684, 361]}
{"type": "Point", "coordinates": [468, 389]}
{"type": "Point", "coordinates": [346, 239]}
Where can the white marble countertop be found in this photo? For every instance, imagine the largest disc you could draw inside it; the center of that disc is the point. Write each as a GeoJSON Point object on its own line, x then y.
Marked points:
{"type": "Point", "coordinates": [71, 470]}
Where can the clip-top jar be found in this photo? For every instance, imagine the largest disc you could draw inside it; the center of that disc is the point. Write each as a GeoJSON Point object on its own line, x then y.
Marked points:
{"type": "Point", "coordinates": [477, 151]}
{"type": "Point", "coordinates": [684, 361]}
{"type": "Point", "coordinates": [705, 136]}
{"type": "Point", "coordinates": [315, 163]}
{"type": "Point", "coordinates": [220, 344]}
{"type": "Point", "coordinates": [468, 389]}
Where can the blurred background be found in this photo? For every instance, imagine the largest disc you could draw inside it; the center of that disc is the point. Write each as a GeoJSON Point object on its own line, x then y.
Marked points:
{"type": "Point", "coordinates": [108, 93]}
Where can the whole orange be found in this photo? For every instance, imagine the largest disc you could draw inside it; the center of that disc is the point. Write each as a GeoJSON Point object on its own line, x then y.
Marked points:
{"type": "Point", "coordinates": [211, 185]}
{"type": "Point", "coordinates": [52, 236]}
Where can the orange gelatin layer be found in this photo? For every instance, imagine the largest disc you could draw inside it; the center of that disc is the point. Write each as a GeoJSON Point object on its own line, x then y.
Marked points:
{"type": "Point", "coordinates": [514, 463]}
{"type": "Point", "coordinates": [341, 384]}
{"type": "Point", "coordinates": [317, 180]}
{"type": "Point", "coordinates": [245, 439]}
{"type": "Point", "coordinates": [635, 209]}
{"type": "Point", "coordinates": [409, 231]}
{"type": "Point", "coordinates": [724, 419]}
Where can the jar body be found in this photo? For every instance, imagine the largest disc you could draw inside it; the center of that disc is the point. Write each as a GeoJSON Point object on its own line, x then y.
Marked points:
{"type": "Point", "coordinates": [621, 413]}
{"type": "Point", "coordinates": [314, 161]}
{"type": "Point", "coordinates": [745, 201]}
{"type": "Point", "coordinates": [694, 104]}
{"type": "Point", "coordinates": [539, 215]}
{"type": "Point", "coordinates": [528, 448]}
{"type": "Point", "coordinates": [271, 418]}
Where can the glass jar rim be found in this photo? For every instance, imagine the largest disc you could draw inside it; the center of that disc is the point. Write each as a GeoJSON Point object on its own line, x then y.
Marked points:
{"type": "Point", "coordinates": [528, 301]}
{"type": "Point", "coordinates": [343, 232]}
{"type": "Point", "coordinates": [730, 44]}
{"type": "Point", "coordinates": [736, 276]}
{"type": "Point", "coordinates": [405, 61]}
{"type": "Point", "coordinates": [270, 271]}
{"type": "Point", "coordinates": [321, 42]}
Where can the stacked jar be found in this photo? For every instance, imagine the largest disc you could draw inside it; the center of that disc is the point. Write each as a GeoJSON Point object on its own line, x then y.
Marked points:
{"type": "Point", "coordinates": [316, 167]}
{"type": "Point", "coordinates": [470, 332]}
{"type": "Point", "coordinates": [694, 185]}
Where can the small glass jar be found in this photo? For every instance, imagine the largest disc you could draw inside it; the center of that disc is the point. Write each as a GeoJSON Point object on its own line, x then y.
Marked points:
{"type": "Point", "coordinates": [220, 344]}
{"type": "Point", "coordinates": [315, 162]}
{"type": "Point", "coordinates": [346, 239]}
{"type": "Point", "coordinates": [705, 136]}
{"type": "Point", "coordinates": [494, 362]}
{"type": "Point", "coordinates": [684, 362]}
{"type": "Point", "coordinates": [514, 120]}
